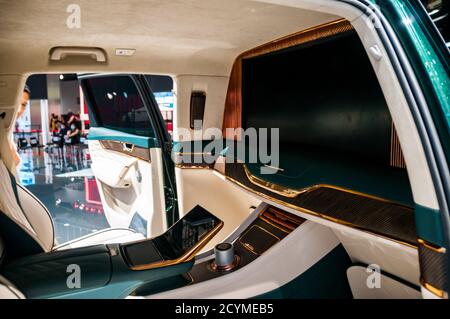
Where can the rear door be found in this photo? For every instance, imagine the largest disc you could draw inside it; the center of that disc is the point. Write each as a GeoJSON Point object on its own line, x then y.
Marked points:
{"type": "Point", "coordinates": [128, 144]}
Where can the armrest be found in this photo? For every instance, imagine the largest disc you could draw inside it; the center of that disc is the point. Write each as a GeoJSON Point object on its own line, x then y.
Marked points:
{"type": "Point", "coordinates": [115, 270]}
{"type": "Point", "coordinates": [46, 275]}
{"type": "Point", "coordinates": [103, 273]}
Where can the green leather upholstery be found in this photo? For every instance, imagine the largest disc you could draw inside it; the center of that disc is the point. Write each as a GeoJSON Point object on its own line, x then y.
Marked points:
{"type": "Point", "coordinates": [103, 274]}
{"type": "Point", "coordinates": [428, 225]}
{"type": "Point", "coordinates": [326, 279]}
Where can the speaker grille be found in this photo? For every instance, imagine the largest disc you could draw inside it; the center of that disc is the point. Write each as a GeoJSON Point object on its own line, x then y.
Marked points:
{"type": "Point", "coordinates": [396, 156]}
{"type": "Point", "coordinates": [381, 217]}
{"type": "Point", "coordinates": [433, 267]}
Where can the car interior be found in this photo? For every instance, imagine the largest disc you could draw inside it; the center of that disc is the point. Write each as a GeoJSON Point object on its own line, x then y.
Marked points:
{"type": "Point", "coordinates": [343, 200]}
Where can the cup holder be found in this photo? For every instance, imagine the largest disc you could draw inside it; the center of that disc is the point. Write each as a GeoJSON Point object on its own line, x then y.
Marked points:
{"type": "Point", "coordinates": [225, 258]}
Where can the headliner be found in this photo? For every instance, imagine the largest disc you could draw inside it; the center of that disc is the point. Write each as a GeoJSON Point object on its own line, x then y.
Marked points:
{"type": "Point", "coordinates": [170, 37]}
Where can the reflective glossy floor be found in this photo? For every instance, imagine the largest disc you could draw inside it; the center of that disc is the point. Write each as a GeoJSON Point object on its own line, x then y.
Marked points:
{"type": "Point", "coordinates": [63, 181]}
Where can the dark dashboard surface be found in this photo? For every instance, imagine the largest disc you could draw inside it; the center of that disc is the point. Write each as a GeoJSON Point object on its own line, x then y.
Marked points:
{"type": "Point", "coordinates": [142, 253]}
{"type": "Point", "coordinates": [176, 242]}
{"type": "Point", "coordinates": [187, 232]}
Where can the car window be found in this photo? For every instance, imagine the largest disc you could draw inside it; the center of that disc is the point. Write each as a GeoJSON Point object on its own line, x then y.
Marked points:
{"type": "Point", "coordinates": [162, 86]}
{"type": "Point", "coordinates": [118, 105]}
{"type": "Point", "coordinates": [439, 13]}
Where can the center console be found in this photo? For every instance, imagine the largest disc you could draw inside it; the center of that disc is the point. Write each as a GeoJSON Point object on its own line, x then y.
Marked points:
{"type": "Point", "coordinates": [269, 227]}
{"type": "Point", "coordinates": [263, 229]}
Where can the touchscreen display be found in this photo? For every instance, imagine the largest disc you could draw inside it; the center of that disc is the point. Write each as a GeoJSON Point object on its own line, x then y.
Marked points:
{"type": "Point", "coordinates": [186, 233]}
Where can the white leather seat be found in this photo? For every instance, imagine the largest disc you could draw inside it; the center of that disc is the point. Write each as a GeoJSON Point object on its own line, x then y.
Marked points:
{"type": "Point", "coordinates": [389, 288]}
{"type": "Point", "coordinates": [8, 291]}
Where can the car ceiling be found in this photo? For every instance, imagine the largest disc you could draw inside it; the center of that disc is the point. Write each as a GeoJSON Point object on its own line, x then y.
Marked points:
{"type": "Point", "coordinates": [170, 37]}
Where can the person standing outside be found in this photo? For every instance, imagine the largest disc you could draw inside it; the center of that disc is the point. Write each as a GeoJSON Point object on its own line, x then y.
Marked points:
{"type": "Point", "coordinates": [54, 123]}
{"type": "Point", "coordinates": [74, 133]}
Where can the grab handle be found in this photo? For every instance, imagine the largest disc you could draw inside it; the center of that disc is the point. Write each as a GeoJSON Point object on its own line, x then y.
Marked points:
{"type": "Point", "coordinates": [59, 53]}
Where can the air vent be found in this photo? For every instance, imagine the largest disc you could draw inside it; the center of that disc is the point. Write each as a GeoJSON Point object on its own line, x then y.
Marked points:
{"type": "Point", "coordinates": [281, 220]}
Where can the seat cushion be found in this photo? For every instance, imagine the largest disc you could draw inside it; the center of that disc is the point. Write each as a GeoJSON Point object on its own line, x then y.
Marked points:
{"type": "Point", "coordinates": [385, 287]}
{"type": "Point", "coordinates": [106, 236]}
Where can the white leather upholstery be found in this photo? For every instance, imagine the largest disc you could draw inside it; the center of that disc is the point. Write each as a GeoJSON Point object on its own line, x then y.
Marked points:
{"type": "Point", "coordinates": [114, 170]}
{"type": "Point", "coordinates": [279, 265]}
{"type": "Point", "coordinates": [225, 200]}
{"type": "Point", "coordinates": [389, 288]}
{"type": "Point", "coordinates": [106, 236]}
{"type": "Point", "coordinates": [394, 258]}
{"type": "Point", "coordinates": [8, 291]}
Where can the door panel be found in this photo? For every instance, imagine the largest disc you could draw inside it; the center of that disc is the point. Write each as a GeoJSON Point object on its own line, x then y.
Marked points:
{"type": "Point", "coordinates": [126, 157]}
{"type": "Point", "coordinates": [104, 134]}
